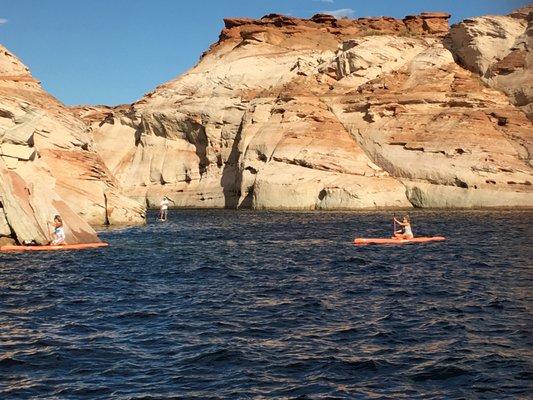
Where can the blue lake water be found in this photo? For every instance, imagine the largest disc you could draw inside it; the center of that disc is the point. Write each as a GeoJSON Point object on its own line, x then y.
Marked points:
{"type": "Point", "coordinates": [242, 304]}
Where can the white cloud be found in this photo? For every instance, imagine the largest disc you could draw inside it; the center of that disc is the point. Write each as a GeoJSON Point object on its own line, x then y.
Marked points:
{"type": "Point", "coordinates": [343, 12]}
{"type": "Point", "coordinates": [3, 21]}
{"type": "Point", "coordinates": [324, 1]}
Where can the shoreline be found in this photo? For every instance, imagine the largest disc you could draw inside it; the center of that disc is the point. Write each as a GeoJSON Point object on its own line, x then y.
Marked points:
{"type": "Point", "coordinates": [376, 209]}
{"type": "Point", "coordinates": [115, 227]}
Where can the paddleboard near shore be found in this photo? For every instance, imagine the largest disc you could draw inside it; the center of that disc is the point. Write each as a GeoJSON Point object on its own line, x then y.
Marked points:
{"type": "Point", "coordinates": [393, 240]}
{"type": "Point", "coordinates": [82, 246]}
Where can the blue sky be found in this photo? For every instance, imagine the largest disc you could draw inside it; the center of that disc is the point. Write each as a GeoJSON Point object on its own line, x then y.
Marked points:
{"type": "Point", "coordinates": [114, 51]}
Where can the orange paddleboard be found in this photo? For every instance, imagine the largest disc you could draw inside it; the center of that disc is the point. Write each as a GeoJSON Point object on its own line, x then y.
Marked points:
{"type": "Point", "coordinates": [5, 249]}
{"type": "Point", "coordinates": [393, 240]}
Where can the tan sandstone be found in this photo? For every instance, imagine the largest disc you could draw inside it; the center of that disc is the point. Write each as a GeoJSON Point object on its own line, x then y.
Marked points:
{"type": "Point", "coordinates": [326, 113]}
{"type": "Point", "coordinates": [48, 166]}
{"type": "Point", "coordinates": [284, 113]}
{"type": "Point", "coordinates": [498, 48]}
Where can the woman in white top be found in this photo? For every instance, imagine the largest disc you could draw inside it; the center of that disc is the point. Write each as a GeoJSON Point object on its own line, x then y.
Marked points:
{"type": "Point", "coordinates": [406, 232]}
{"type": "Point", "coordinates": [59, 231]}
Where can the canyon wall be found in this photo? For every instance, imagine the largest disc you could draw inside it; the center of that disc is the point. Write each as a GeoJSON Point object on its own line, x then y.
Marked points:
{"type": "Point", "coordinates": [48, 166]}
{"type": "Point", "coordinates": [325, 113]}
{"type": "Point", "coordinates": [498, 49]}
{"type": "Point", "coordinates": [284, 113]}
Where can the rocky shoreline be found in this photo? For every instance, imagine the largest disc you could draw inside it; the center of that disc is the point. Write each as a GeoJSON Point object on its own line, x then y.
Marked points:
{"type": "Point", "coordinates": [285, 113]}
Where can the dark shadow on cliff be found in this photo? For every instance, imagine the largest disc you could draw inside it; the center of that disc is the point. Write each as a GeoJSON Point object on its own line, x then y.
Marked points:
{"type": "Point", "coordinates": [231, 175]}
{"type": "Point", "coordinates": [195, 134]}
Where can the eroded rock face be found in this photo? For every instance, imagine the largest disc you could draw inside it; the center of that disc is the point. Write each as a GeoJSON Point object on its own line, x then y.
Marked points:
{"type": "Point", "coordinates": [48, 167]}
{"type": "Point", "coordinates": [450, 140]}
{"type": "Point", "coordinates": [435, 23]}
{"type": "Point", "coordinates": [325, 114]}
{"type": "Point", "coordinates": [498, 48]}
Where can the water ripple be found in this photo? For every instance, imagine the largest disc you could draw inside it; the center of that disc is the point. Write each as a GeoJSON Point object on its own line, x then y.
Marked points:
{"type": "Point", "coordinates": [240, 305]}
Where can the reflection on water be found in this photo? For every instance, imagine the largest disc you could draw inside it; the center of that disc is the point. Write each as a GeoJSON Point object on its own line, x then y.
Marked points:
{"type": "Point", "coordinates": [227, 304]}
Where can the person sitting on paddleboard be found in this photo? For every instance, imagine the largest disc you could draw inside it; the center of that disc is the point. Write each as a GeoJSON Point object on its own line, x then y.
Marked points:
{"type": "Point", "coordinates": [59, 232]}
{"type": "Point", "coordinates": [406, 232]}
{"type": "Point", "coordinates": [163, 211]}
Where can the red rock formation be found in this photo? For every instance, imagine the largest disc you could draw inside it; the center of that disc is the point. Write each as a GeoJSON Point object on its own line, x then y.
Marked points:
{"type": "Point", "coordinates": [284, 112]}
{"type": "Point", "coordinates": [514, 61]}
{"type": "Point", "coordinates": [48, 166]}
{"type": "Point", "coordinates": [317, 113]}
{"type": "Point", "coordinates": [498, 48]}
{"type": "Point", "coordinates": [426, 24]}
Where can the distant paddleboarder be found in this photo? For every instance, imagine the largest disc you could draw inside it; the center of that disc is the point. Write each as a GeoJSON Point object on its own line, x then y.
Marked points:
{"type": "Point", "coordinates": [405, 232]}
{"type": "Point", "coordinates": [163, 210]}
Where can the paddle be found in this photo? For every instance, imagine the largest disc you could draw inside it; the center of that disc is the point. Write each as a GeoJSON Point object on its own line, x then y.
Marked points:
{"type": "Point", "coordinates": [49, 230]}
{"type": "Point", "coordinates": [50, 233]}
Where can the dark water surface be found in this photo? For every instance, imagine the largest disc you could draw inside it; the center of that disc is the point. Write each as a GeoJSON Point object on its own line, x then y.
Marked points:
{"type": "Point", "coordinates": [227, 304]}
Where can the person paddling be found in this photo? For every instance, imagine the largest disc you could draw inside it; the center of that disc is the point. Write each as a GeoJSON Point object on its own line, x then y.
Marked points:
{"type": "Point", "coordinates": [405, 232]}
{"type": "Point", "coordinates": [163, 211]}
{"type": "Point", "coordinates": [59, 231]}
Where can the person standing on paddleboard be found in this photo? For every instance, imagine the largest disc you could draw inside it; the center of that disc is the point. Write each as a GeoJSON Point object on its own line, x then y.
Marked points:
{"type": "Point", "coordinates": [59, 231]}
{"type": "Point", "coordinates": [406, 232]}
{"type": "Point", "coordinates": [163, 211]}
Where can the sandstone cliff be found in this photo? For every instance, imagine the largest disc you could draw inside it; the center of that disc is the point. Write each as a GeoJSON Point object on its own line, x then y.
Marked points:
{"type": "Point", "coordinates": [323, 113]}
{"type": "Point", "coordinates": [498, 48]}
{"type": "Point", "coordinates": [48, 166]}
